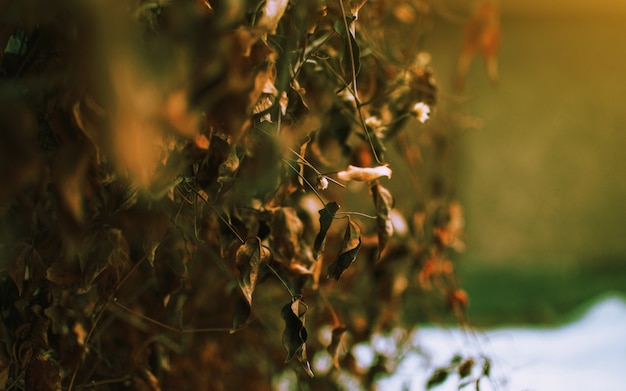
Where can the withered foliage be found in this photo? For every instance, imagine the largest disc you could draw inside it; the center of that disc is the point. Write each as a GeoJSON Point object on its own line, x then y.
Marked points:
{"type": "Point", "coordinates": [174, 172]}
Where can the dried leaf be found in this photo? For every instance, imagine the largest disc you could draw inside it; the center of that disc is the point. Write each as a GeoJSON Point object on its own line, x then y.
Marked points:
{"type": "Point", "coordinates": [17, 269]}
{"type": "Point", "coordinates": [350, 61]}
{"type": "Point", "coordinates": [326, 218]}
{"type": "Point", "coordinates": [333, 348]}
{"type": "Point", "coordinates": [43, 373]}
{"type": "Point", "coordinates": [250, 257]}
{"type": "Point", "coordinates": [439, 376]}
{"type": "Point", "coordinates": [465, 368]}
{"type": "Point", "coordinates": [295, 334]}
{"type": "Point", "coordinates": [286, 233]}
{"type": "Point", "coordinates": [383, 201]}
{"type": "Point", "coordinates": [486, 367]}
{"type": "Point", "coordinates": [348, 252]}
{"type": "Point", "coordinates": [241, 314]}
{"type": "Point", "coordinates": [228, 167]}
{"type": "Point", "coordinates": [364, 174]}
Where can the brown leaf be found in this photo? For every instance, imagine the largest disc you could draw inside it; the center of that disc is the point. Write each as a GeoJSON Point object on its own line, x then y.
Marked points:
{"type": "Point", "coordinates": [26, 265]}
{"type": "Point", "coordinates": [326, 218]}
{"type": "Point", "coordinates": [250, 257]}
{"type": "Point", "coordinates": [333, 348]}
{"type": "Point", "coordinates": [383, 201]}
{"type": "Point", "coordinates": [348, 252]}
{"type": "Point", "coordinates": [295, 334]}
{"type": "Point", "coordinates": [228, 167]}
{"type": "Point", "coordinates": [465, 368]}
{"type": "Point", "coordinates": [364, 174]}
{"type": "Point", "coordinates": [241, 314]}
{"type": "Point", "coordinates": [286, 233]}
{"type": "Point", "coordinates": [17, 268]}
{"type": "Point", "coordinates": [43, 373]}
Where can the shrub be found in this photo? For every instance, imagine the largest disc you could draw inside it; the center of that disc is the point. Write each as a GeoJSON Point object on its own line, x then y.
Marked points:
{"type": "Point", "coordinates": [196, 194]}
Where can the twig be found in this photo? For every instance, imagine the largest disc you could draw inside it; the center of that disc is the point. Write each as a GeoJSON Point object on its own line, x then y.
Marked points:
{"type": "Point", "coordinates": [166, 326]}
{"type": "Point", "coordinates": [281, 280]}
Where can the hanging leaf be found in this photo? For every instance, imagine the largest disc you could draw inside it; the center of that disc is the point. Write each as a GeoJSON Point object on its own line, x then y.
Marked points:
{"type": "Point", "coordinates": [295, 334]}
{"type": "Point", "coordinates": [364, 174]}
{"type": "Point", "coordinates": [350, 61]}
{"type": "Point", "coordinates": [348, 252]}
{"type": "Point", "coordinates": [17, 269]}
{"type": "Point", "coordinates": [333, 348]}
{"type": "Point", "coordinates": [383, 201]}
{"type": "Point", "coordinates": [326, 218]}
{"type": "Point", "coordinates": [286, 233]}
{"type": "Point", "coordinates": [486, 367]}
{"type": "Point", "coordinates": [465, 368]}
{"type": "Point", "coordinates": [439, 376]}
{"type": "Point", "coordinates": [241, 314]}
{"type": "Point", "coordinates": [250, 257]}
{"type": "Point", "coordinates": [228, 167]}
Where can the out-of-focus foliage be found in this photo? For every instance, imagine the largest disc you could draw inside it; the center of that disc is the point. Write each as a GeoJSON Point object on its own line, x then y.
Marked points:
{"type": "Point", "coordinates": [181, 190]}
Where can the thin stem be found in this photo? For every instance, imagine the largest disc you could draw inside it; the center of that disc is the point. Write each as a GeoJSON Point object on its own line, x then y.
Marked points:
{"type": "Point", "coordinates": [281, 280]}
{"type": "Point", "coordinates": [99, 317]}
{"type": "Point", "coordinates": [357, 214]}
{"type": "Point", "coordinates": [306, 181]}
{"type": "Point", "coordinates": [166, 326]}
{"type": "Point", "coordinates": [95, 384]}
{"type": "Point", "coordinates": [333, 313]}
{"type": "Point", "coordinates": [352, 61]}
{"type": "Point", "coordinates": [354, 85]}
{"type": "Point", "coordinates": [229, 225]}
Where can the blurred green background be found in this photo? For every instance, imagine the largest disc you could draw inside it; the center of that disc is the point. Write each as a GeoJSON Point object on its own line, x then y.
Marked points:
{"type": "Point", "coordinates": [543, 181]}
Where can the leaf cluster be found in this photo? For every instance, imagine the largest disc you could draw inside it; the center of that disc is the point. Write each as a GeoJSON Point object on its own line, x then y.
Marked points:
{"type": "Point", "coordinates": [191, 191]}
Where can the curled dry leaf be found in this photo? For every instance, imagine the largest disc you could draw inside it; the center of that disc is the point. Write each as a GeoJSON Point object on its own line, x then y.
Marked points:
{"type": "Point", "coordinates": [250, 257]}
{"type": "Point", "coordinates": [364, 174]}
{"type": "Point", "coordinates": [348, 252]}
{"type": "Point", "coordinates": [295, 334]}
{"type": "Point", "coordinates": [383, 201]}
{"type": "Point", "coordinates": [326, 218]}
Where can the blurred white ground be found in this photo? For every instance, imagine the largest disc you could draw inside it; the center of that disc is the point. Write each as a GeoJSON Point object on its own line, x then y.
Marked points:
{"type": "Point", "coordinates": [587, 354]}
